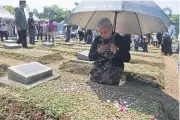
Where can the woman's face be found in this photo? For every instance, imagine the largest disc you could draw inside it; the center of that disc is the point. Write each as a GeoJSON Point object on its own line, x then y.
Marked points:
{"type": "Point", "coordinates": [105, 33]}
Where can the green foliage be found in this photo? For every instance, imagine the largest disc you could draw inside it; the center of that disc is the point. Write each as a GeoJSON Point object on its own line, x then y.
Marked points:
{"type": "Point", "coordinates": [9, 8]}
{"type": "Point", "coordinates": [76, 3]}
{"type": "Point", "coordinates": [175, 19]}
{"type": "Point", "coordinates": [35, 11]}
{"type": "Point", "coordinates": [54, 12]}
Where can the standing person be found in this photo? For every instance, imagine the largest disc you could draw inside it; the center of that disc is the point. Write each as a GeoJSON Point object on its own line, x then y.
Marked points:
{"type": "Point", "coordinates": [68, 33]}
{"type": "Point", "coordinates": [81, 34]}
{"type": "Point", "coordinates": [32, 29]}
{"type": "Point", "coordinates": [40, 30]}
{"type": "Point", "coordinates": [45, 30]}
{"type": "Point", "coordinates": [145, 42]}
{"type": "Point", "coordinates": [21, 24]}
{"type": "Point", "coordinates": [165, 42]}
{"type": "Point", "coordinates": [51, 30]}
{"type": "Point", "coordinates": [172, 32]}
{"type": "Point", "coordinates": [155, 40]}
{"type": "Point", "coordinates": [85, 35]}
{"type": "Point", "coordinates": [3, 31]}
{"type": "Point", "coordinates": [89, 36]}
{"type": "Point", "coordinates": [136, 42]}
{"type": "Point", "coordinates": [10, 29]}
{"type": "Point", "coordinates": [127, 38]}
{"type": "Point", "coordinates": [159, 38]}
{"type": "Point", "coordinates": [73, 34]}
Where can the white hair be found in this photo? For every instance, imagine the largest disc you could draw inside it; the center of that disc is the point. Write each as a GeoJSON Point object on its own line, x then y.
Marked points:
{"type": "Point", "coordinates": [104, 22]}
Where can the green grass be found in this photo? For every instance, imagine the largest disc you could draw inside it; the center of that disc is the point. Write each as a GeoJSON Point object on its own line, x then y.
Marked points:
{"type": "Point", "coordinates": [73, 95]}
{"type": "Point", "coordinates": [175, 41]}
{"type": "Point", "coordinates": [44, 59]}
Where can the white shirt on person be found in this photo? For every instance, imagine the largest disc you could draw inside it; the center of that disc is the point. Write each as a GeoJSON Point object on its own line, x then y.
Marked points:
{"type": "Point", "coordinates": [3, 27]}
{"type": "Point", "coordinates": [171, 31]}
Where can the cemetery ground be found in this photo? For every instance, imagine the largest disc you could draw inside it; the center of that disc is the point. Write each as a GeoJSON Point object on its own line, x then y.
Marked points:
{"type": "Point", "coordinates": [150, 91]}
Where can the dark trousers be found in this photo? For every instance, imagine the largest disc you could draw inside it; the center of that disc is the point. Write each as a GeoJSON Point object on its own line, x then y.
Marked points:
{"type": "Point", "coordinates": [40, 33]}
{"type": "Point", "coordinates": [68, 38]}
{"type": "Point", "coordinates": [155, 43]}
{"type": "Point", "coordinates": [22, 38]}
{"type": "Point", "coordinates": [32, 36]}
{"type": "Point", "coordinates": [46, 37]}
{"type": "Point", "coordinates": [85, 37]}
{"type": "Point", "coordinates": [136, 46]}
{"type": "Point", "coordinates": [3, 34]}
{"type": "Point", "coordinates": [166, 47]}
{"type": "Point", "coordinates": [170, 47]}
{"type": "Point", "coordinates": [145, 45]}
{"type": "Point", "coordinates": [81, 35]}
{"type": "Point", "coordinates": [162, 48]}
{"type": "Point", "coordinates": [89, 39]}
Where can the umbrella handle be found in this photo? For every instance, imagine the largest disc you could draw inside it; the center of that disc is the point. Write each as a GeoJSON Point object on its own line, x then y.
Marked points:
{"type": "Point", "coordinates": [114, 26]}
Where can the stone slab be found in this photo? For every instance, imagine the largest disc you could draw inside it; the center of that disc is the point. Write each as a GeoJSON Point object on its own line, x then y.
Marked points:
{"type": "Point", "coordinates": [59, 36]}
{"type": "Point", "coordinates": [68, 43]}
{"type": "Point", "coordinates": [83, 55]}
{"type": "Point", "coordinates": [29, 73]}
{"type": "Point", "coordinates": [13, 38]}
{"type": "Point", "coordinates": [12, 46]}
{"type": "Point", "coordinates": [10, 41]}
{"type": "Point", "coordinates": [82, 43]}
{"type": "Point", "coordinates": [47, 44]}
{"type": "Point", "coordinates": [6, 81]}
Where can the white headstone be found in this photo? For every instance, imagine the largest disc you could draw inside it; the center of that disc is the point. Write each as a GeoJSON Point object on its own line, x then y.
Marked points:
{"type": "Point", "coordinates": [48, 44]}
{"type": "Point", "coordinates": [11, 45]}
{"type": "Point", "coordinates": [68, 43]}
{"type": "Point", "coordinates": [29, 73]}
{"type": "Point", "coordinates": [59, 36]}
{"type": "Point", "coordinates": [83, 42]}
{"type": "Point", "coordinates": [83, 55]}
{"type": "Point", "coordinates": [10, 41]}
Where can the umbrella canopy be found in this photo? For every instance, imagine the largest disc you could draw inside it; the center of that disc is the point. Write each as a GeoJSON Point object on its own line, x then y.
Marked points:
{"type": "Point", "coordinates": [5, 14]}
{"type": "Point", "coordinates": [132, 17]}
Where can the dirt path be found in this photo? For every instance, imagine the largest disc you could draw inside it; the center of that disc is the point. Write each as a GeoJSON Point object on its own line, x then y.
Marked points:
{"type": "Point", "coordinates": [171, 77]}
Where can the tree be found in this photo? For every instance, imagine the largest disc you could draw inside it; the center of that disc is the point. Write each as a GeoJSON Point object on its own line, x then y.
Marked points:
{"type": "Point", "coordinates": [174, 18]}
{"type": "Point", "coordinates": [168, 11]}
{"type": "Point", "coordinates": [9, 8]}
{"type": "Point", "coordinates": [53, 12]}
{"type": "Point", "coordinates": [76, 3]}
{"type": "Point", "coordinates": [56, 13]}
{"type": "Point", "coordinates": [35, 11]}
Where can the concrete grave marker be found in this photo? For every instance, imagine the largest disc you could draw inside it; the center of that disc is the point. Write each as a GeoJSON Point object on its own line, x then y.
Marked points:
{"type": "Point", "coordinates": [48, 44]}
{"type": "Point", "coordinates": [10, 41]}
{"type": "Point", "coordinates": [29, 73]}
{"type": "Point", "coordinates": [83, 55]}
{"type": "Point", "coordinates": [82, 42]}
{"type": "Point", "coordinates": [59, 36]}
{"type": "Point", "coordinates": [11, 45]}
{"type": "Point", "coordinates": [68, 43]}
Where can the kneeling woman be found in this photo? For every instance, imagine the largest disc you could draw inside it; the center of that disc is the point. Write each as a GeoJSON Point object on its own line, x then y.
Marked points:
{"type": "Point", "coordinates": [109, 51]}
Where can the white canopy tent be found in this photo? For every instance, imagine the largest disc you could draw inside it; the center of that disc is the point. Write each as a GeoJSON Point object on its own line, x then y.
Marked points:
{"type": "Point", "coordinates": [5, 14]}
{"type": "Point", "coordinates": [27, 10]}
